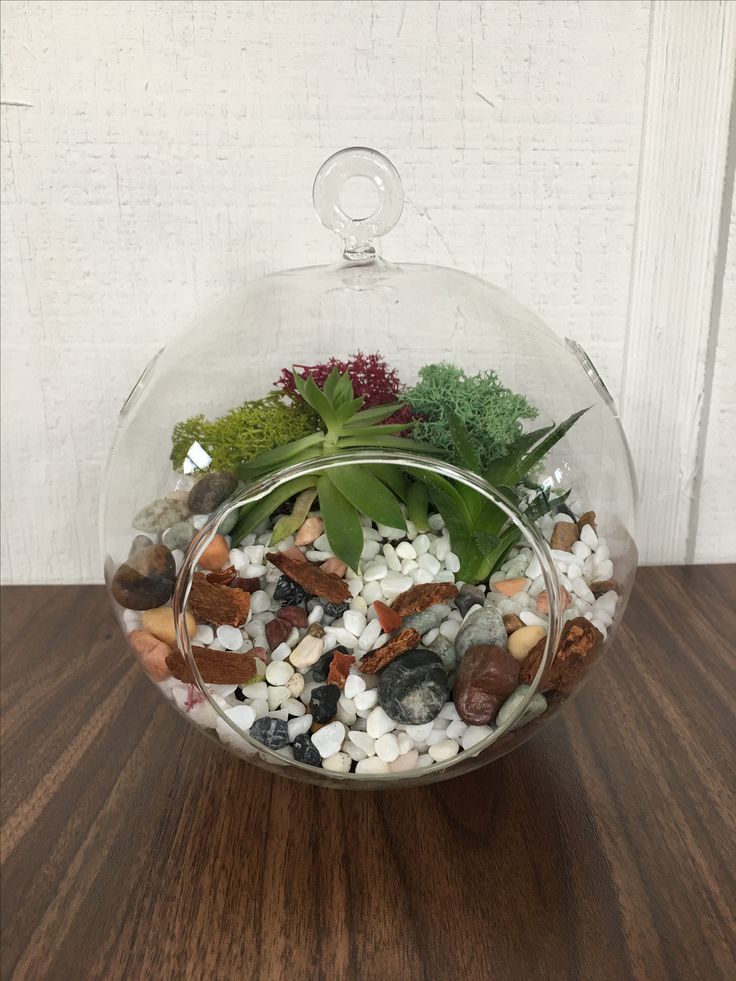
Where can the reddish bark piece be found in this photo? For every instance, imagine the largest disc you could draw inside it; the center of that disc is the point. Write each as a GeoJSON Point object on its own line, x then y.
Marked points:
{"type": "Point", "coordinates": [277, 632]}
{"type": "Point", "coordinates": [216, 667]}
{"type": "Point", "coordinates": [311, 578]}
{"type": "Point", "coordinates": [295, 615]}
{"type": "Point", "coordinates": [587, 519]}
{"type": "Point", "coordinates": [422, 596]}
{"type": "Point", "coordinates": [511, 622]}
{"type": "Point", "coordinates": [218, 605]}
{"type": "Point", "coordinates": [247, 585]}
{"type": "Point", "coordinates": [486, 677]}
{"type": "Point", "coordinates": [295, 553]}
{"type": "Point", "coordinates": [374, 662]}
{"type": "Point", "coordinates": [604, 586]}
{"type": "Point", "coordinates": [388, 618]}
{"type": "Point", "coordinates": [223, 577]}
{"type": "Point", "coordinates": [564, 536]}
{"type": "Point", "coordinates": [578, 646]}
{"type": "Point", "coordinates": [339, 668]}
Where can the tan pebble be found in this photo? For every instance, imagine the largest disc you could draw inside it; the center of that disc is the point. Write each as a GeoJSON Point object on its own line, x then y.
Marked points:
{"type": "Point", "coordinates": [522, 640]}
{"type": "Point", "coordinates": [160, 622]}
{"type": "Point", "coordinates": [309, 531]}
{"type": "Point", "coordinates": [152, 653]}
{"type": "Point", "coordinates": [335, 566]}
{"type": "Point", "coordinates": [564, 536]}
{"type": "Point", "coordinates": [216, 554]}
{"type": "Point", "coordinates": [543, 600]}
{"type": "Point", "coordinates": [510, 587]}
{"type": "Point", "coordinates": [178, 495]}
{"type": "Point", "coordinates": [406, 762]}
{"type": "Point", "coordinates": [511, 622]}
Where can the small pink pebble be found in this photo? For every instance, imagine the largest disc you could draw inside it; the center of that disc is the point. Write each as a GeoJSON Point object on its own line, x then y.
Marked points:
{"type": "Point", "coordinates": [510, 587]}
{"type": "Point", "coordinates": [543, 600]}
{"type": "Point", "coordinates": [335, 566]}
{"type": "Point", "coordinates": [296, 553]}
{"type": "Point", "coordinates": [309, 531]}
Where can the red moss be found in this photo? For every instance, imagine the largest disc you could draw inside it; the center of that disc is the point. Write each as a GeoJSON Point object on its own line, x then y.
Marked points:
{"type": "Point", "coordinates": [371, 377]}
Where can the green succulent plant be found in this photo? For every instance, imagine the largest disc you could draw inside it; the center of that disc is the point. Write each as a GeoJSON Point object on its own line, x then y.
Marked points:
{"type": "Point", "coordinates": [374, 490]}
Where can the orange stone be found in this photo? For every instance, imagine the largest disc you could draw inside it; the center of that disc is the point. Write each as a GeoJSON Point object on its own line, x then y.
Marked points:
{"type": "Point", "coordinates": [215, 555]}
{"type": "Point", "coordinates": [152, 654]}
{"type": "Point", "coordinates": [543, 600]}
{"type": "Point", "coordinates": [510, 587]}
{"type": "Point", "coordinates": [335, 566]}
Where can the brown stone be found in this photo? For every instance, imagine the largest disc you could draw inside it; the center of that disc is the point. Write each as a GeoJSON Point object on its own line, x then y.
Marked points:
{"type": "Point", "coordinates": [579, 643]}
{"type": "Point", "coordinates": [146, 580]}
{"type": "Point", "coordinates": [564, 536]}
{"type": "Point", "coordinates": [295, 615]}
{"type": "Point", "coordinates": [486, 677]}
{"type": "Point", "coordinates": [374, 662]}
{"type": "Point", "coordinates": [311, 578]}
{"type": "Point", "coordinates": [277, 632]}
{"type": "Point", "coordinates": [218, 605]}
{"type": "Point", "coordinates": [604, 586]}
{"type": "Point", "coordinates": [512, 622]}
{"type": "Point", "coordinates": [216, 667]}
{"type": "Point", "coordinates": [152, 653]}
{"type": "Point", "coordinates": [587, 519]}
{"type": "Point", "coordinates": [422, 596]}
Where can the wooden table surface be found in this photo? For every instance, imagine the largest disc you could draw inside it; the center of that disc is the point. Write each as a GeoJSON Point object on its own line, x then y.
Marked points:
{"type": "Point", "coordinates": [133, 847]}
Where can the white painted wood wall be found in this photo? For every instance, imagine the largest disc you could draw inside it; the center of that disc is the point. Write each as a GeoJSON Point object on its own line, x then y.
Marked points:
{"type": "Point", "coordinates": [156, 153]}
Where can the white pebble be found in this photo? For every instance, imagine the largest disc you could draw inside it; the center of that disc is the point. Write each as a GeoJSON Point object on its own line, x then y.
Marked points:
{"type": "Point", "coordinates": [242, 715]}
{"type": "Point", "coordinates": [531, 619]}
{"type": "Point", "coordinates": [371, 765]}
{"type": "Point", "coordinates": [534, 569]}
{"type": "Point", "coordinates": [353, 752]}
{"type": "Point", "coordinates": [589, 537]}
{"type": "Point", "coordinates": [456, 729]}
{"type": "Point", "coordinates": [260, 601]}
{"type": "Point", "coordinates": [358, 604]}
{"type": "Point", "coordinates": [448, 711]}
{"type": "Point", "coordinates": [436, 522]}
{"type": "Point", "coordinates": [602, 552]}
{"type": "Point", "coordinates": [372, 591]}
{"type": "Point", "coordinates": [424, 760]}
{"type": "Point", "coordinates": [378, 722]}
{"type": "Point", "coordinates": [392, 559]}
{"type": "Point", "coordinates": [230, 637]}
{"type": "Point", "coordinates": [217, 645]}
{"type": "Point", "coordinates": [355, 586]}
{"type": "Point", "coordinates": [200, 520]}
{"type": "Point", "coordinates": [204, 635]}
{"type": "Point", "coordinates": [370, 534]}
{"type": "Point", "coordinates": [299, 726]}
{"type": "Point", "coordinates": [370, 635]}
{"type": "Point", "coordinates": [293, 706]}
{"type": "Point", "coordinates": [278, 672]}
{"type": "Point", "coordinates": [574, 571]}
{"type": "Point", "coordinates": [537, 586]}
{"type": "Point", "coordinates": [475, 734]}
{"type": "Point", "coordinates": [408, 566]}
{"type": "Point", "coordinates": [421, 544]}
{"type": "Point", "coordinates": [258, 689]}
{"type": "Point", "coordinates": [435, 736]}
{"type": "Point", "coordinates": [407, 761]}
{"type": "Point", "coordinates": [366, 700]}
{"type": "Point", "coordinates": [277, 695]}
{"type": "Point", "coordinates": [363, 741]}
{"type": "Point", "coordinates": [355, 622]}
{"type": "Point", "coordinates": [260, 707]}
{"type": "Point", "coordinates": [444, 750]}
{"type": "Point", "coordinates": [422, 576]}
{"type": "Point", "coordinates": [441, 548]}
{"type": "Point", "coordinates": [178, 556]}
{"type": "Point", "coordinates": [281, 652]}
{"type": "Point", "coordinates": [580, 550]}
{"type": "Point", "coordinates": [449, 629]}
{"type": "Point", "coordinates": [374, 571]}
{"type": "Point", "coordinates": [430, 636]}
{"type": "Point", "coordinates": [599, 625]}
{"type": "Point", "coordinates": [580, 587]}
{"type": "Point", "coordinates": [607, 602]}
{"type": "Point", "coordinates": [346, 711]}
{"type": "Point", "coordinates": [386, 531]}
{"type": "Point", "coordinates": [430, 563]}
{"type": "Point", "coordinates": [405, 550]}
{"type": "Point", "coordinates": [354, 685]}
{"type": "Point", "coordinates": [387, 748]}
{"type": "Point", "coordinates": [419, 733]}
{"type": "Point", "coordinates": [316, 614]}
{"type": "Point", "coordinates": [237, 558]}
{"type": "Point", "coordinates": [394, 583]}
{"type": "Point", "coordinates": [452, 562]}
{"type": "Point", "coordinates": [370, 551]}
{"type": "Point", "coordinates": [604, 569]}
{"type": "Point", "coordinates": [328, 740]}
{"type": "Point", "coordinates": [337, 763]}
{"type": "Point", "coordinates": [252, 571]}
{"type": "Point", "coordinates": [405, 742]}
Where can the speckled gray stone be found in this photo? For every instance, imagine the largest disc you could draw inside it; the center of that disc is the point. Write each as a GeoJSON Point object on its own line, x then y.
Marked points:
{"type": "Point", "coordinates": [179, 535]}
{"type": "Point", "coordinates": [424, 621]}
{"type": "Point", "coordinates": [160, 515]}
{"type": "Point", "coordinates": [536, 707]}
{"type": "Point", "coordinates": [483, 626]}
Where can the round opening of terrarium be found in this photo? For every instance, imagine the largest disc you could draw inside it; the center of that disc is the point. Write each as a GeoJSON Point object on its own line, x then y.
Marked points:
{"type": "Point", "coordinates": [364, 658]}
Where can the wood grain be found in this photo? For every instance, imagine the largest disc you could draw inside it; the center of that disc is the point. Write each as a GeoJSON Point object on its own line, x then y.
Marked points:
{"type": "Point", "coordinates": [132, 847]}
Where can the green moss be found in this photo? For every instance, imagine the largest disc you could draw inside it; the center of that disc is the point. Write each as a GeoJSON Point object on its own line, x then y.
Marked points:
{"type": "Point", "coordinates": [490, 412]}
{"type": "Point", "coordinates": [244, 432]}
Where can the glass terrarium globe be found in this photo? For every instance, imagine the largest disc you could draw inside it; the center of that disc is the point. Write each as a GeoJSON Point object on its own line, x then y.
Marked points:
{"type": "Point", "coordinates": [413, 315]}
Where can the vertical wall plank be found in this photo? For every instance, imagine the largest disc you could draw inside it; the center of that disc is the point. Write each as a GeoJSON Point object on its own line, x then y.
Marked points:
{"type": "Point", "coordinates": [678, 265]}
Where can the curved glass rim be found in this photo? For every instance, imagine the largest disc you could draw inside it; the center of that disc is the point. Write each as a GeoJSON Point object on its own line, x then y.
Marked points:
{"type": "Point", "coordinates": [259, 489]}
